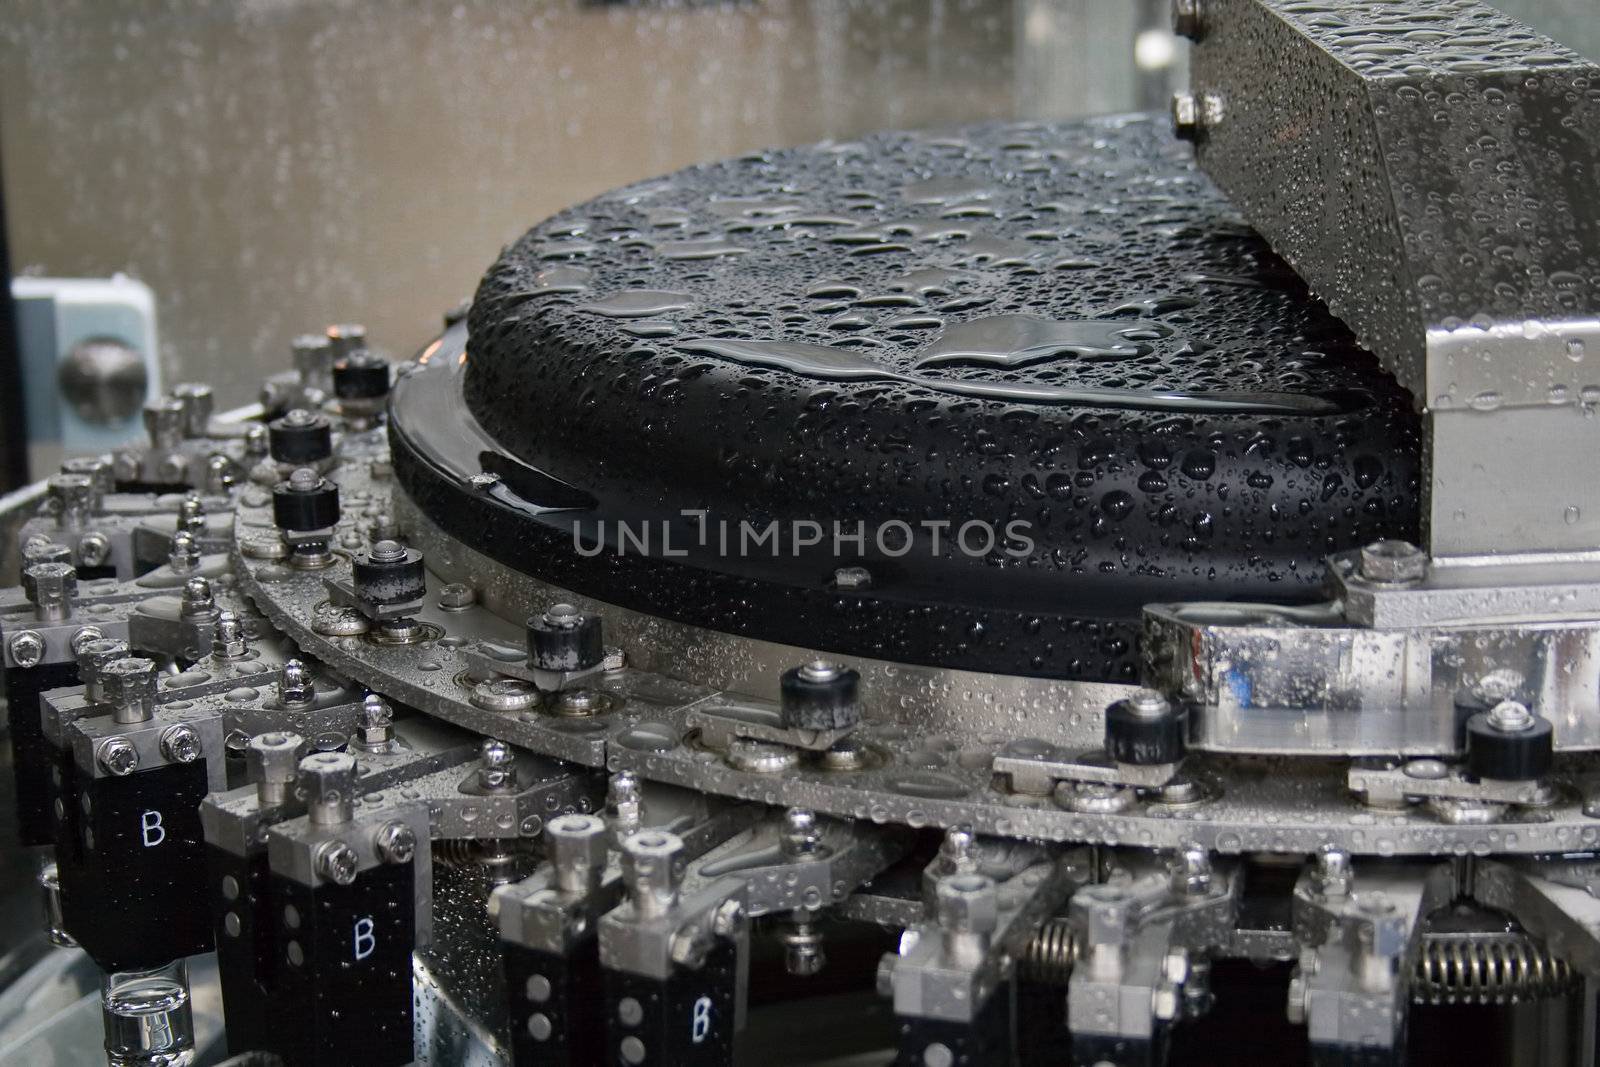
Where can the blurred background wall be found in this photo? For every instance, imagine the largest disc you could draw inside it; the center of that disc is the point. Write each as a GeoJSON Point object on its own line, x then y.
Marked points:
{"type": "Point", "coordinates": [267, 166]}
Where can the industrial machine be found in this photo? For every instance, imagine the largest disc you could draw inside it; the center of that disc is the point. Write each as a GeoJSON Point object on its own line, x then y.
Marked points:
{"type": "Point", "coordinates": [1070, 593]}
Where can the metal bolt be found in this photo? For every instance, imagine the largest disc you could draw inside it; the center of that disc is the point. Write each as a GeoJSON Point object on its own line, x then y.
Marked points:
{"type": "Point", "coordinates": [1191, 871]}
{"type": "Point", "coordinates": [1193, 115]}
{"type": "Point", "coordinates": [958, 849]}
{"type": "Point", "coordinates": [1510, 717]}
{"type": "Point", "coordinates": [73, 498]}
{"type": "Point", "coordinates": [192, 514]}
{"type": "Point", "coordinates": [387, 552]}
{"type": "Point", "coordinates": [92, 658]}
{"type": "Point", "coordinates": [129, 685]}
{"type": "Point", "coordinates": [43, 550]}
{"type": "Point", "coordinates": [219, 474]}
{"type": "Point", "coordinates": [377, 721]}
{"type": "Point", "coordinates": [1334, 876]}
{"type": "Point", "coordinates": [197, 598]}
{"type": "Point", "coordinates": [457, 596]}
{"type": "Point", "coordinates": [1185, 116]}
{"type": "Point", "coordinates": [802, 946]}
{"type": "Point", "coordinates": [652, 870]}
{"type": "Point", "coordinates": [272, 761]}
{"type": "Point", "coordinates": [852, 578]}
{"type": "Point", "coordinates": [576, 845]}
{"type": "Point", "coordinates": [94, 549]}
{"type": "Point", "coordinates": [1395, 562]}
{"type": "Point", "coordinates": [326, 782]}
{"type": "Point", "coordinates": [180, 744]}
{"type": "Point", "coordinates": [257, 440]}
{"type": "Point", "coordinates": [624, 802]}
{"type": "Point", "coordinates": [50, 588]}
{"type": "Point", "coordinates": [1149, 703]}
{"type": "Point", "coordinates": [499, 761]}
{"type": "Point", "coordinates": [728, 918]}
{"type": "Point", "coordinates": [197, 402]}
{"type": "Point", "coordinates": [299, 418]}
{"type": "Point", "coordinates": [26, 649]}
{"type": "Point", "coordinates": [395, 842]}
{"type": "Point", "coordinates": [802, 837]}
{"type": "Point", "coordinates": [295, 685]}
{"type": "Point", "coordinates": [304, 480]}
{"type": "Point", "coordinates": [185, 555]}
{"type": "Point", "coordinates": [820, 670]}
{"type": "Point", "coordinates": [563, 615]}
{"type": "Point", "coordinates": [967, 909]}
{"type": "Point", "coordinates": [164, 422]}
{"type": "Point", "coordinates": [229, 642]}
{"type": "Point", "coordinates": [1187, 19]}
{"type": "Point", "coordinates": [118, 756]}
{"type": "Point", "coordinates": [337, 862]}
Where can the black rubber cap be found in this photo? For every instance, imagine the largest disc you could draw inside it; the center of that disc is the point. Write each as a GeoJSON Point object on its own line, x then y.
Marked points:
{"type": "Point", "coordinates": [361, 376]}
{"type": "Point", "coordinates": [299, 444]}
{"type": "Point", "coordinates": [564, 640]}
{"type": "Point", "coordinates": [1509, 756]}
{"type": "Point", "coordinates": [395, 581]}
{"type": "Point", "coordinates": [305, 509]}
{"type": "Point", "coordinates": [811, 703]}
{"type": "Point", "coordinates": [1142, 739]}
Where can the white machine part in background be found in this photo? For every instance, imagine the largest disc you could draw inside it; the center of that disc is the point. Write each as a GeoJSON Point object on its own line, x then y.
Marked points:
{"type": "Point", "coordinates": [89, 363]}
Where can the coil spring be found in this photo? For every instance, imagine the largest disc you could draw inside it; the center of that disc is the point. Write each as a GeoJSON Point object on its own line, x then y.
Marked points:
{"type": "Point", "coordinates": [1050, 955]}
{"type": "Point", "coordinates": [1499, 969]}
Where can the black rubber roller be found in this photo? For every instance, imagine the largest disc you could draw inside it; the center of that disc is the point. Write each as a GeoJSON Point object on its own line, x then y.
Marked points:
{"type": "Point", "coordinates": [564, 639]}
{"type": "Point", "coordinates": [307, 501]}
{"type": "Point", "coordinates": [820, 696]}
{"type": "Point", "coordinates": [1145, 730]}
{"type": "Point", "coordinates": [300, 437]}
{"type": "Point", "coordinates": [361, 376]}
{"type": "Point", "coordinates": [1510, 744]}
{"type": "Point", "coordinates": [389, 574]}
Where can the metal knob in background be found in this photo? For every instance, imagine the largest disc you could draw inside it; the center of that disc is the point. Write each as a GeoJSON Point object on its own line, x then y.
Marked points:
{"type": "Point", "coordinates": [104, 380]}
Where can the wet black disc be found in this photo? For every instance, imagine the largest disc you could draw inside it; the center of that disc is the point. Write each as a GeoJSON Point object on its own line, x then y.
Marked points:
{"type": "Point", "coordinates": [1030, 377]}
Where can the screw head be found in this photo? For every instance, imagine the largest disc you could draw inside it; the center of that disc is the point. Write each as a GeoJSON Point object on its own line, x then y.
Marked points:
{"type": "Point", "coordinates": [1149, 702]}
{"type": "Point", "coordinates": [304, 480]}
{"type": "Point", "coordinates": [118, 756]}
{"type": "Point", "coordinates": [387, 551]}
{"type": "Point", "coordinates": [1393, 561]}
{"type": "Point", "coordinates": [565, 616]}
{"type": "Point", "coordinates": [337, 862]}
{"type": "Point", "coordinates": [94, 549]}
{"type": "Point", "coordinates": [396, 842]}
{"type": "Point", "coordinates": [1510, 717]}
{"type": "Point", "coordinates": [457, 596]}
{"type": "Point", "coordinates": [820, 670]}
{"type": "Point", "coordinates": [801, 835]}
{"type": "Point", "coordinates": [26, 648]}
{"type": "Point", "coordinates": [180, 744]}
